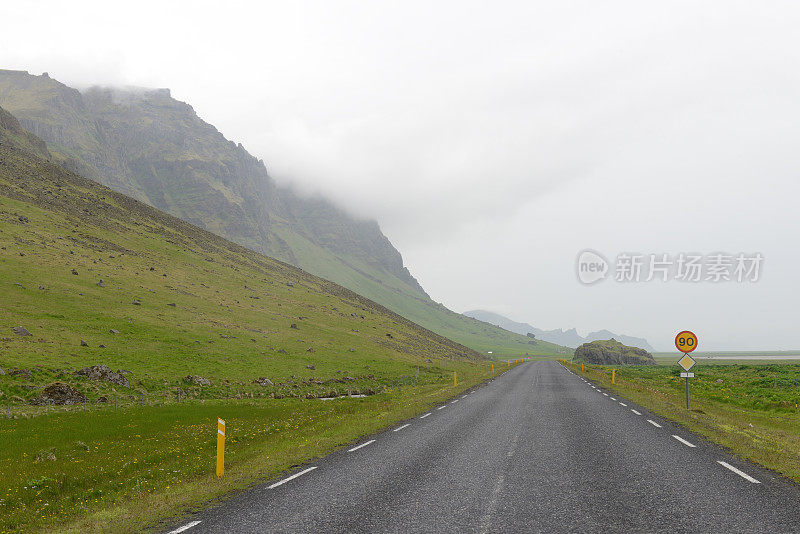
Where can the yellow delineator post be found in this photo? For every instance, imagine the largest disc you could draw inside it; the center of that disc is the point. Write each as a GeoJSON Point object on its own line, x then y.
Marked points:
{"type": "Point", "coordinates": [581, 367]}
{"type": "Point", "coordinates": [220, 448]}
{"type": "Point", "coordinates": [613, 376]}
{"type": "Point", "coordinates": [492, 368]}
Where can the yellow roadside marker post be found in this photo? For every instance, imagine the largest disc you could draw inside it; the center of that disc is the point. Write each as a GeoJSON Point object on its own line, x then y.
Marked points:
{"type": "Point", "coordinates": [613, 376]}
{"type": "Point", "coordinates": [492, 368]}
{"type": "Point", "coordinates": [220, 448]}
{"type": "Point", "coordinates": [455, 379]}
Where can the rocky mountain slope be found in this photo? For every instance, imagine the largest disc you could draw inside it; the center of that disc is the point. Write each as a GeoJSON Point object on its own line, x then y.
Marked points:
{"type": "Point", "coordinates": [568, 338]}
{"type": "Point", "coordinates": [149, 146]}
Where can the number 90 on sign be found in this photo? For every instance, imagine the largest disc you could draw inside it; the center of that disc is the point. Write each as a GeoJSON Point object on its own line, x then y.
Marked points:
{"type": "Point", "coordinates": [686, 341]}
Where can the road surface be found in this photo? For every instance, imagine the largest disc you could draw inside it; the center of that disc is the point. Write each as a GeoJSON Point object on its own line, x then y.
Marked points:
{"type": "Point", "coordinates": [538, 449]}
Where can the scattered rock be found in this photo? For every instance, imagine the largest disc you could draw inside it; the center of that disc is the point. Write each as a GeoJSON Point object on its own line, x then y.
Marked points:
{"type": "Point", "coordinates": [718, 381]}
{"type": "Point", "coordinates": [59, 393]}
{"type": "Point", "coordinates": [113, 331]}
{"type": "Point", "coordinates": [389, 335]}
{"type": "Point", "coordinates": [428, 360]}
{"type": "Point", "coordinates": [310, 366]}
{"type": "Point", "coordinates": [21, 331]}
{"type": "Point", "coordinates": [123, 372]}
{"type": "Point", "coordinates": [101, 346]}
{"type": "Point", "coordinates": [152, 268]}
{"type": "Point", "coordinates": [23, 219]}
{"type": "Point", "coordinates": [101, 283]}
{"type": "Point", "coordinates": [351, 350]}
{"type": "Point", "coordinates": [198, 380]}
{"type": "Point", "coordinates": [310, 349]}
{"type": "Point", "coordinates": [293, 325]}
{"type": "Point", "coordinates": [74, 272]}
{"type": "Point", "coordinates": [45, 456]}
{"type": "Point", "coordinates": [41, 288]}
{"type": "Point", "coordinates": [171, 303]}
{"type": "Point", "coordinates": [263, 382]}
{"type": "Point", "coordinates": [290, 284]}
{"type": "Point", "coordinates": [281, 351]}
{"type": "Point", "coordinates": [84, 343]}
{"type": "Point", "coordinates": [104, 373]}
{"type": "Point", "coordinates": [24, 373]}
{"type": "Point", "coordinates": [136, 302]}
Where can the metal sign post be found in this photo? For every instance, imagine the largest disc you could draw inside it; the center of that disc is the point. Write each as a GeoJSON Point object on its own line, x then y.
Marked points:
{"type": "Point", "coordinates": [686, 342]}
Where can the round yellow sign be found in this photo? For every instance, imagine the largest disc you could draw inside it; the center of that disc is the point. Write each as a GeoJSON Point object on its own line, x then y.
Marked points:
{"type": "Point", "coordinates": [686, 341]}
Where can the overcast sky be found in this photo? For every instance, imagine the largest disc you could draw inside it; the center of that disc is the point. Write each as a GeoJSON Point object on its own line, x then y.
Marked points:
{"type": "Point", "coordinates": [493, 141]}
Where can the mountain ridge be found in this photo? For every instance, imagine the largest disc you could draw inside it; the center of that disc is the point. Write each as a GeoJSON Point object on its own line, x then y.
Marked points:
{"type": "Point", "coordinates": [569, 338]}
{"type": "Point", "coordinates": [147, 145]}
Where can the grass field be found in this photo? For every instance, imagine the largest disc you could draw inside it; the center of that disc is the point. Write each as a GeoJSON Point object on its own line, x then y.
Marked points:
{"type": "Point", "coordinates": [753, 409]}
{"type": "Point", "coordinates": [124, 470]}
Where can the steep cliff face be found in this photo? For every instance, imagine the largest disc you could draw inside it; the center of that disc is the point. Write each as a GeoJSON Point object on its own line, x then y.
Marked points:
{"type": "Point", "coordinates": [146, 144]}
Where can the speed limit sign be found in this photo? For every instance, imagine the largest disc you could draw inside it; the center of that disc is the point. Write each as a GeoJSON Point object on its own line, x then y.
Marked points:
{"type": "Point", "coordinates": [686, 341]}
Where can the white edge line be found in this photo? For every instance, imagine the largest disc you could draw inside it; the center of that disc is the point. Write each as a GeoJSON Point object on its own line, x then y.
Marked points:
{"type": "Point", "coordinates": [185, 527]}
{"type": "Point", "coordinates": [637, 413]}
{"type": "Point", "coordinates": [362, 445]}
{"type": "Point", "coordinates": [738, 472]}
{"type": "Point", "coordinates": [287, 479]}
{"type": "Point", "coordinates": [426, 415]}
{"type": "Point", "coordinates": [401, 427]}
{"type": "Point", "coordinates": [653, 423]}
{"type": "Point", "coordinates": [684, 441]}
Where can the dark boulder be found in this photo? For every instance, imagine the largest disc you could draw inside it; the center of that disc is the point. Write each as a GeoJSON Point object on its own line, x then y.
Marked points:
{"type": "Point", "coordinates": [61, 394]}
{"type": "Point", "coordinates": [104, 373]}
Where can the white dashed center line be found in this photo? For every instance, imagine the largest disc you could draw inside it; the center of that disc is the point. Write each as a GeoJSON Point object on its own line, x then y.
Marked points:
{"type": "Point", "coordinates": [426, 415]}
{"type": "Point", "coordinates": [612, 398]}
{"type": "Point", "coordinates": [684, 441]}
{"type": "Point", "coordinates": [738, 472]}
{"type": "Point", "coordinates": [455, 401]}
{"type": "Point", "coordinates": [623, 404]}
{"type": "Point", "coordinates": [634, 411]}
{"type": "Point", "coordinates": [441, 407]}
{"type": "Point", "coordinates": [399, 428]}
{"type": "Point", "coordinates": [184, 528]}
{"type": "Point", "coordinates": [606, 394]}
{"type": "Point", "coordinates": [287, 479]}
{"type": "Point", "coordinates": [653, 423]}
{"type": "Point", "coordinates": [362, 445]}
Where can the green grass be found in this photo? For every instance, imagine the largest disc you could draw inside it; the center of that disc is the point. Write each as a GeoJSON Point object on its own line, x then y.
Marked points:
{"type": "Point", "coordinates": [125, 470]}
{"type": "Point", "coordinates": [752, 409]}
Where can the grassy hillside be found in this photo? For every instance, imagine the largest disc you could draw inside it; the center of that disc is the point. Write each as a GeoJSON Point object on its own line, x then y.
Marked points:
{"type": "Point", "coordinates": [96, 277]}
{"type": "Point", "coordinates": [156, 149]}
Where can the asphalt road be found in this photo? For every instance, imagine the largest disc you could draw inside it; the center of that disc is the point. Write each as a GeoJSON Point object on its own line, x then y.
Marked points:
{"type": "Point", "coordinates": [538, 449]}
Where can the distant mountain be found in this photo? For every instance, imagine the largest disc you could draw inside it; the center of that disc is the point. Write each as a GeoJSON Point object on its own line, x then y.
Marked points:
{"type": "Point", "coordinates": [568, 338]}
{"type": "Point", "coordinates": [147, 145]}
